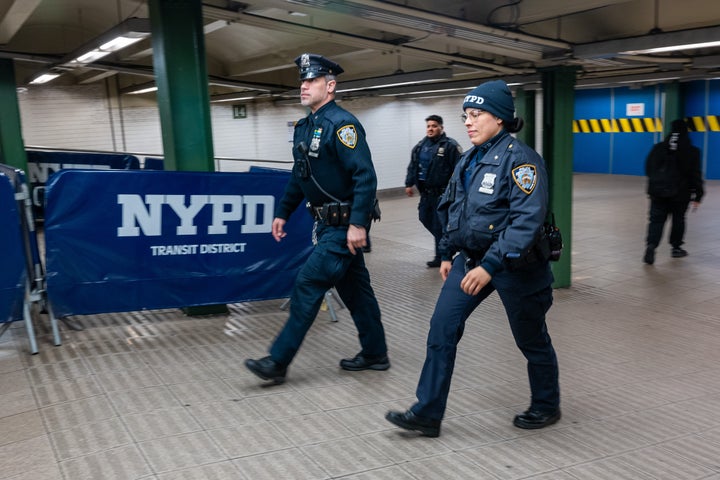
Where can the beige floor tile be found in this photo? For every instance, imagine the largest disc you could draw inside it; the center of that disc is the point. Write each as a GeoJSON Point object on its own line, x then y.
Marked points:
{"type": "Point", "coordinates": [347, 456]}
{"type": "Point", "coordinates": [19, 427]}
{"type": "Point", "coordinates": [160, 423]}
{"type": "Point", "coordinates": [216, 471]}
{"type": "Point", "coordinates": [452, 466]}
{"type": "Point", "coordinates": [123, 463]}
{"type": "Point", "coordinates": [250, 439]}
{"type": "Point", "coordinates": [181, 451]}
{"type": "Point", "coordinates": [290, 464]}
{"type": "Point", "coordinates": [62, 416]}
{"type": "Point", "coordinates": [66, 391]}
{"type": "Point", "coordinates": [312, 428]}
{"type": "Point", "coordinates": [90, 438]}
{"type": "Point", "coordinates": [157, 395]}
{"type": "Point", "coordinates": [228, 413]}
{"type": "Point", "coordinates": [18, 458]}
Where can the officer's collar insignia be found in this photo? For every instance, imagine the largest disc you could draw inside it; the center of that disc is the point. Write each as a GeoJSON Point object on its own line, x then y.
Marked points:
{"type": "Point", "coordinates": [486, 146]}
{"type": "Point", "coordinates": [347, 135]}
{"type": "Point", "coordinates": [305, 60]}
{"type": "Point", "coordinates": [525, 177]}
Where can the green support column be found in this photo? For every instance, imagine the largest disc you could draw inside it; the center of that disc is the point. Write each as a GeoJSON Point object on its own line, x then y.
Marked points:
{"type": "Point", "coordinates": [525, 109]}
{"type": "Point", "coordinates": [12, 146]}
{"type": "Point", "coordinates": [178, 43]}
{"type": "Point", "coordinates": [558, 106]}
{"type": "Point", "coordinates": [673, 106]}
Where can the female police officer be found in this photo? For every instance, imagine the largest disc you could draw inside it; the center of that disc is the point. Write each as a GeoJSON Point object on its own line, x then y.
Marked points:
{"type": "Point", "coordinates": [493, 211]}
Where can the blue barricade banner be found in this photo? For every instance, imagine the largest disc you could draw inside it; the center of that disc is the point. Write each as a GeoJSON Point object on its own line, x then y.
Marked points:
{"type": "Point", "coordinates": [124, 241]}
{"type": "Point", "coordinates": [13, 271]}
{"type": "Point", "coordinates": [42, 164]}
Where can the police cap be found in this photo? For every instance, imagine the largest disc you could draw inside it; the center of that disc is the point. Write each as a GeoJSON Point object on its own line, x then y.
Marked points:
{"type": "Point", "coordinates": [312, 65]}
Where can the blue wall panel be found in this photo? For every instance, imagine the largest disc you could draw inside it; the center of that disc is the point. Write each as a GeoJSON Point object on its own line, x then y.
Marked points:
{"type": "Point", "coordinates": [591, 152]}
{"type": "Point", "coordinates": [712, 153]}
{"type": "Point", "coordinates": [630, 149]}
{"type": "Point", "coordinates": [629, 153]}
{"type": "Point", "coordinates": [694, 93]}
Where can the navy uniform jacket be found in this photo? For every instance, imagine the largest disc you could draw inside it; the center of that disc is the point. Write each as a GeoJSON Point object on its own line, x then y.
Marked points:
{"type": "Point", "coordinates": [445, 155]}
{"type": "Point", "coordinates": [505, 205]}
{"type": "Point", "coordinates": [340, 161]}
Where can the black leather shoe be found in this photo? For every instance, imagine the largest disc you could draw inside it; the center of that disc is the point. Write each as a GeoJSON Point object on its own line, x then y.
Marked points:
{"type": "Point", "coordinates": [267, 369]}
{"type": "Point", "coordinates": [409, 421]}
{"type": "Point", "coordinates": [360, 362]}
{"type": "Point", "coordinates": [434, 263]}
{"type": "Point", "coordinates": [678, 252]}
{"type": "Point", "coordinates": [532, 419]}
{"type": "Point", "coordinates": [649, 257]}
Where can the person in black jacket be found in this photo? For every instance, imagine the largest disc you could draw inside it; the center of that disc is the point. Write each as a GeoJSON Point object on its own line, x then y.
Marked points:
{"type": "Point", "coordinates": [432, 162]}
{"type": "Point", "coordinates": [674, 181]}
{"type": "Point", "coordinates": [333, 171]}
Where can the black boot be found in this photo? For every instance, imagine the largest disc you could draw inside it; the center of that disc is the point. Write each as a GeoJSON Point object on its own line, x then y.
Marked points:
{"type": "Point", "coordinates": [533, 419]}
{"type": "Point", "coordinates": [267, 369]}
{"type": "Point", "coordinates": [409, 421]}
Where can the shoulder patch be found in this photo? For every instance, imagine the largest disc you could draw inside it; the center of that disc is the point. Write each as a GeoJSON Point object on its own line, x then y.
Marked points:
{"type": "Point", "coordinates": [347, 135]}
{"type": "Point", "coordinates": [525, 177]}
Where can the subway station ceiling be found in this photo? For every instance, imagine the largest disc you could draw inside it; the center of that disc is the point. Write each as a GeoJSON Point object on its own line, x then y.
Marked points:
{"type": "Point", "coordinates": [396, 47]}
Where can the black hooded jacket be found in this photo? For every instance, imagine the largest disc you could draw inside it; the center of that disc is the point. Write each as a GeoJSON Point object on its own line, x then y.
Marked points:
{"type": "Point", "coordinates": [673, 167]}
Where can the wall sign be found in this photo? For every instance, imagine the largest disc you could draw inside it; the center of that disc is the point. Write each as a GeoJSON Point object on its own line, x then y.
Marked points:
{"type": "Point", "coordinates": [239, 111]}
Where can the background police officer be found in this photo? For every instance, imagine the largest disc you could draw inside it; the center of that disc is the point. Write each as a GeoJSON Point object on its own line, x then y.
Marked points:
{"type": "Point", "coordinates": [493, 210]}
{"type": "Point", "coordinates": [432, 162]}
{"type": "Point", "coordinates": [333, 170]}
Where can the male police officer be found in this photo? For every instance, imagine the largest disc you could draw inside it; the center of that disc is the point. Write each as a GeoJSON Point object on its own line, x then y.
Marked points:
{"type": "Point", "coordinates": [432, 162]}
{"type": "Point", "coordinates": [333, 170]}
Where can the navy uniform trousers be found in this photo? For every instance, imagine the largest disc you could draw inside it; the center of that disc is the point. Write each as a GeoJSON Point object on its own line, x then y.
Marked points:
{"type": "Point", "coordinates": [427, 213]}
{"type": "Point", "coordinates": [331, 265]}
{"type": "Point", "coordinates": [527, 296]}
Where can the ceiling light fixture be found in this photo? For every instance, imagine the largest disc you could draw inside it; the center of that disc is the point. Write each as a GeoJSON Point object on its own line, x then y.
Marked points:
{"type": "Point", "coordinates": [139, 88]}
{"type": "Point", "coordinates": [410, 78]}
{"type": "Point", "coordinates": [673, 48]}
{"type": "Point", "coordinates": [122, 35]}
{"type": "Point", "coordinates": [44, 78]}
{"type": "Point", "coordinates": [654, 43]}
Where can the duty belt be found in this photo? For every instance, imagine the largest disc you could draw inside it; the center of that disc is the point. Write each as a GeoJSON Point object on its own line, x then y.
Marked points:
{"type": "Point", "coordinates": [434, 191]}
{"type": "Point", "coordinates": [333, 214]}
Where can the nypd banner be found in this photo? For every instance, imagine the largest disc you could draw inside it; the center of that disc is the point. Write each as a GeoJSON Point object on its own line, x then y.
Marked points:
{"type": "Point", "coordinates": [131, 240]}
{"type": "Point", "coordinates": [12, 273]}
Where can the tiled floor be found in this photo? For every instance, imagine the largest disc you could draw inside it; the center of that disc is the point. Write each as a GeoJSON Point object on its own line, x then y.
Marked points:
{"type": "Point", "coordinates": [158, 395]}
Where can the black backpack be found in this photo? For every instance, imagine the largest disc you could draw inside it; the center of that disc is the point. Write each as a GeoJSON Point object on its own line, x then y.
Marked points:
{"type": "Point", "coordinates": [663, 174]}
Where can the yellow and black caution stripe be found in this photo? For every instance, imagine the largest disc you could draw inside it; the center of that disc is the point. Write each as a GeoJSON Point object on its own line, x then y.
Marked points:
{"type": "Point", "coordinates": [708, 123]}
{"type": "Point", "coordinates": [617, 125]}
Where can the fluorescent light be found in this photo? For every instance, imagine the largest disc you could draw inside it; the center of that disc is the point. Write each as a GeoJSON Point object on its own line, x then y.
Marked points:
{"type": "Point", "coordinates": [44, 78]}
{"type": "Point", "coordinates": [411, 78]}
{"type": "Point", "coordinates": [120, 42]}
{"type": "Point", "coordinates": [673, 48]}
{"type": "Point", "coordinates": [126, 33]}
{"type": "Point", "coordinates": [143, 90]}
{"type": "Point", "coordinates": [113, 45]}
{"type": "Point", "coordinates": [657, 42]}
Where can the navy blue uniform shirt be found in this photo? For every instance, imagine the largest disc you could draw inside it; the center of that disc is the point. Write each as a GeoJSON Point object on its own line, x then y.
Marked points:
{"type": "Point", "coordinates": [340, 161]}
{"type": "Point", "coordinates": [503, 206]}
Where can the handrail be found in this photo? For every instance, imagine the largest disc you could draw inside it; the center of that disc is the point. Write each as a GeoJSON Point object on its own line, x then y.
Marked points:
{"type": "Point", "coordinates": [159, 155]}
